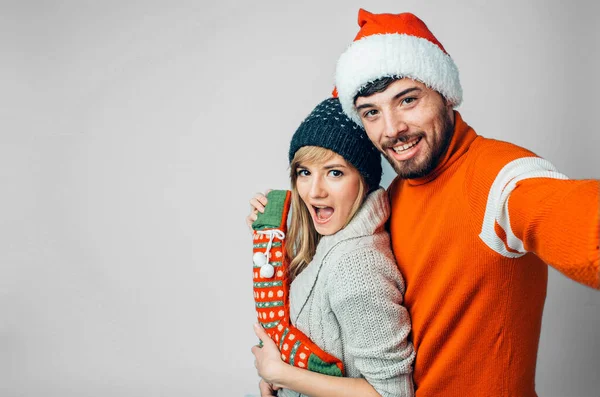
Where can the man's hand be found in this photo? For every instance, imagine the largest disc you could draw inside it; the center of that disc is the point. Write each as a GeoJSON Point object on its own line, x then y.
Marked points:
{"type": "Point", "coordinates": [257, 203]}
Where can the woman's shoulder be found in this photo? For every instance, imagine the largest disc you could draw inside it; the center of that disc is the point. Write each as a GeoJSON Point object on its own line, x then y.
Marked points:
{"type": "Point", "coordinates": [364, 266]}
{"type": "Point", "coordinates": [354, 255]}
{"type": "Point", "coordinates": [376, 242]}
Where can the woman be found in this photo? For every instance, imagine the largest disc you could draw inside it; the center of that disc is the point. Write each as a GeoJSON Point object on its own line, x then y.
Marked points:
{"type": "Point", "coordinates": [346, 290]}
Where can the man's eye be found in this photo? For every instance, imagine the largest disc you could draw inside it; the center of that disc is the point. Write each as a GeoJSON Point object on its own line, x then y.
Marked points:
{"type": "Point", "coordinates": [336, 173]}
{"type": "Point", "coordinates": [370, 113]}
{"type": "Point", "coordinates": [302, 173]}
{"type": "Point", "coordinates": [408, 100]}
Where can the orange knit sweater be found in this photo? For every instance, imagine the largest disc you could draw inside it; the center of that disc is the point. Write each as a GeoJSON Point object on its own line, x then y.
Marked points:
{"type": "Point", "coordinates": [472, 241]}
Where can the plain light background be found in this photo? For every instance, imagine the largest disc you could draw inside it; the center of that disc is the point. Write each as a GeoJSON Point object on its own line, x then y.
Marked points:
{"type": "Point", "coordinates": [132, 135]}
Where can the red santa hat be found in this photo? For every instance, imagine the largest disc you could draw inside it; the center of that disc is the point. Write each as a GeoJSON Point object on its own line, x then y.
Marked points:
{"type": "Point", "coordinates": [394, 45]}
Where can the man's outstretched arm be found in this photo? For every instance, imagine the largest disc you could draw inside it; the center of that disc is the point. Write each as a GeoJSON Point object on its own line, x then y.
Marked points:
{"type": "Point", "coordinates": [558, 220]}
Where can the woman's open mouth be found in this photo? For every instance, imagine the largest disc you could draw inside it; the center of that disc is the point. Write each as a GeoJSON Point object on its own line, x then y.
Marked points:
{"type": "Point", "coordinates": [322, 214]}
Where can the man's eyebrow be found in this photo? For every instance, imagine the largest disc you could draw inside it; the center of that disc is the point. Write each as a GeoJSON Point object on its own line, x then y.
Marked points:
{"type": "Point", "coordinates": [398, 95]}
{"type": "Point", "coordinates": [406, 91]}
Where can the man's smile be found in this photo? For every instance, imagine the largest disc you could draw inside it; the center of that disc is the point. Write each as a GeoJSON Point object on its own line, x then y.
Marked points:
{"type": "Point", "coordinates": [404, 149]}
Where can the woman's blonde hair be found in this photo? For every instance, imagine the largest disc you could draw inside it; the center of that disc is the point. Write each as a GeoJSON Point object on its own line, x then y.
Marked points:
{"type": "Point", "coordinates": [302, 235]}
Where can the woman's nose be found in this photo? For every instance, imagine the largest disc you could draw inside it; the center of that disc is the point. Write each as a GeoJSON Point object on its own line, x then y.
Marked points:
{"type": "Point", "coordinates": [317, 188]}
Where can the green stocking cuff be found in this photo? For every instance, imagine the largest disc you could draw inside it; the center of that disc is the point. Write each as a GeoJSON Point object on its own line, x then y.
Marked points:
{"type": "Point", "coordinates": [271, 218]}
{"type": "Point", "coordinates": [315, 364]}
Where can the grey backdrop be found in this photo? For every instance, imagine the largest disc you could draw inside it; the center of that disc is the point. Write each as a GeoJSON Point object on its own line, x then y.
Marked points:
{"type": "Point", "coordinates": [133, 134]}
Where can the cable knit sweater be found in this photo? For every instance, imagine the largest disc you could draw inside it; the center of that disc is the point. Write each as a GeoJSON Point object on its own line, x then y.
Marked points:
{"type": "Point", "coordinates": [349, 299]}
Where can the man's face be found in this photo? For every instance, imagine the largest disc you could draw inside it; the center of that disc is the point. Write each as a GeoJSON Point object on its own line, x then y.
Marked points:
{"type": "Point", "coordinates": [410, 124]}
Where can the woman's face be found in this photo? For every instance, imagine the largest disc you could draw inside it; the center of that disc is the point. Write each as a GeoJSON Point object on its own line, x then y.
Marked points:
{"type": "Point", "coordinates": [329, 190]}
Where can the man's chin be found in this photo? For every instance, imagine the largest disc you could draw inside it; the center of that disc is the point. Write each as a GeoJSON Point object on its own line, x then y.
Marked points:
{"type": "Point", "coordinates": [409, 169]}
{"type": "Point", "coordinates": [411, 174]}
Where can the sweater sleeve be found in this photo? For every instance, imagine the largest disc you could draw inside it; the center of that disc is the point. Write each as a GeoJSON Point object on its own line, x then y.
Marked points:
{"type": "Point", "coordinates": [531, 207]}
{"type": "Point", "coordinates": [558, 220]}
{"type": "Point", "coordinates": [367, 299]}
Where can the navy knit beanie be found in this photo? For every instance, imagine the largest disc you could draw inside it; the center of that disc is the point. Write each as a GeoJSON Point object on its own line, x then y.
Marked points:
{"type": "Point", "coordinates": [328, 127]}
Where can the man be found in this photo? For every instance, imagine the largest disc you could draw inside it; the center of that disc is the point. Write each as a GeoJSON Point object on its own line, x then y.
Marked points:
{"type": "Point", "coordinates": [474, 220]}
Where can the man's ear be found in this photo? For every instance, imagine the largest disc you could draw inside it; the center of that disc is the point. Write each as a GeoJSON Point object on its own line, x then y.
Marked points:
{"type": "Point", "coordinates": [449, 107]}
{"type": "Point", "coordinates": [450, 110]}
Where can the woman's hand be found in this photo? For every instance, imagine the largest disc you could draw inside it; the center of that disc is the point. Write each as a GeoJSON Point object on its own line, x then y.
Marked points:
{"type": "Point", "coordinates": [276, 374]}
{"type": "Point", "coordinates": [257, 203]}
{"type": "Point", "coordinates": [268, 362]}
{"type": "Point", "coordinates": [266, 389]}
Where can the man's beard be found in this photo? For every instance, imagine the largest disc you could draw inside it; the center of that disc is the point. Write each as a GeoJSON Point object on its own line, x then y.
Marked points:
{"type": "Point", "coordinates": [409, 169]}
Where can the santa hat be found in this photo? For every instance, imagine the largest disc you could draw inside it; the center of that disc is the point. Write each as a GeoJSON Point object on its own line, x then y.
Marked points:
{"type": "Point", "coordinates": [394, 45]}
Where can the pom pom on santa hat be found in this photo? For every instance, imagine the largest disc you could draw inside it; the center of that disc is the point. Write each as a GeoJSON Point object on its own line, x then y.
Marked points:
{"type": "Point", "coordinates": [394, 45]}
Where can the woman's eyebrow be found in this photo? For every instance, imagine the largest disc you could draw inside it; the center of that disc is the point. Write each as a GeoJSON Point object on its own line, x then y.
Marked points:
{"type": "Point", "coordinates": [329, 166]}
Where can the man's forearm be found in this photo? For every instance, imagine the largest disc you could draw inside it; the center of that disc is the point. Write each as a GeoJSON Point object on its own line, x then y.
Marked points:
{"type": "Point", "coordinates": [558, 221]}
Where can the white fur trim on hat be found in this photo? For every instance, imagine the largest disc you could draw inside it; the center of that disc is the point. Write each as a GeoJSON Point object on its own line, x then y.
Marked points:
{"type": "Point", "coordinates": [387, 55]}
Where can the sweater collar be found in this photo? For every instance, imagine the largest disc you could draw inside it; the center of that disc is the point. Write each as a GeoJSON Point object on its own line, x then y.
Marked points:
{"type": "Point", "coordinates": [462, 138]}
{"type": "Point", "coordinates": [371, 216]}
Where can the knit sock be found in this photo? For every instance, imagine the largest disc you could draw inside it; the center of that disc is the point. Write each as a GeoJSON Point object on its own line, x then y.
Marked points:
{"type": "Point", "coordinates": [271, 288]}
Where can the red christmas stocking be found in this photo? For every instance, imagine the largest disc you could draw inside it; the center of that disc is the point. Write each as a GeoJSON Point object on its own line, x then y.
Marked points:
{"type": "Point", "coordinates": [271, 290]}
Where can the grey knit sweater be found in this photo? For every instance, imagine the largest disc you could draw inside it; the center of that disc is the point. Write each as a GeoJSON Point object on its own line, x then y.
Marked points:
{"type": "Point", "coordinates": [348, 300]}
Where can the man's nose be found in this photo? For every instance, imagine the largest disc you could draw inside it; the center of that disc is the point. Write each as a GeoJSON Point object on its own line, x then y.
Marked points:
{"type": "Point", "coordinates": [394, 125]}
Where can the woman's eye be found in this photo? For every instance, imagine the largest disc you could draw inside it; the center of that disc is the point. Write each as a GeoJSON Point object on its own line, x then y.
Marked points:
{"type": "Point", "coordinates": [302, 172]}
{"type": "Point", "coordinates": [336, 173]}
{"type": "Point", "coordinates": [408, 101]}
